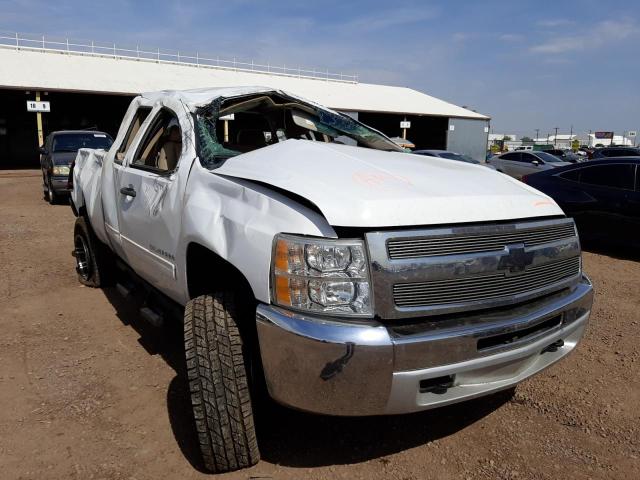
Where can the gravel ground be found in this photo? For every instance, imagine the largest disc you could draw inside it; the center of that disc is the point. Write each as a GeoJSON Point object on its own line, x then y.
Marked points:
{"type": "Point", "coordinates": [88, 390]}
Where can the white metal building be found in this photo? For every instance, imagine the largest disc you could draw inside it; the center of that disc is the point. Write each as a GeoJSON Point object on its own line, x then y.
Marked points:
{"type": "Point", "coordinates": [562, 141]}
{"type": "Point", "coordinates": [605, 142]}
{"type": "Point", "coordinates": [88, 86]}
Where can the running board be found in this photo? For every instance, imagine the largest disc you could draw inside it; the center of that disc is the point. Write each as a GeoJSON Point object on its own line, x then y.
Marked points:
{"type": "Point", "coordinates": [124, 290]}
{"type": "Point", "coordinates": [151, 316]}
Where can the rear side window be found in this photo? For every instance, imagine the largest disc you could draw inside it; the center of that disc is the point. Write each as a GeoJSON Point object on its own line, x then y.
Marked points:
{"type": "Point", "coordinates": [511, 156]}
{"type": "Point", "coordinates": [619, 175]}
{"type": "Point", "coordinates": [619, 152]}
{"type": "Point", "coordinates": [136, 122]}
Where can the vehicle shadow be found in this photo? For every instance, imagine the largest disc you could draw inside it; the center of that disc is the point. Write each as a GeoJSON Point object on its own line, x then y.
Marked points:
{"type": "Point", "coordinates": [293, 438]}
{"type": "Point", "coordinates": [297, 439]}
{"type": "Point", "coordinates": [620, 251]}
{"type": "Point", "coordinates": [167, 342]}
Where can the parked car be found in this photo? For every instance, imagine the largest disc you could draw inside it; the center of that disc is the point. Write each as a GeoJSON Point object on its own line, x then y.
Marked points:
{"type": "Point", "coordinates": [609, 152]}
{"type": "Point", "coordinates": [350, 280]}
{"type": "Point", "coordinates": [603, 196]}
{"type": "Point", "coordinates": [517, 164]}
{"type": "Point", "coordinates": [565, 155]}
{"type": "Point", "coordinates": [57, 153]}
{"type": "Point", "coordinates": [451, 156]}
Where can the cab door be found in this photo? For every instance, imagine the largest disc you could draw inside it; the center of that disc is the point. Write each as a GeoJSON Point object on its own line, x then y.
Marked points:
{"type": "Point", "coordinates": [149, 203]}
{"type": "Point", "coordinates": [111, 174]}
{"type": "Point", "coordinates": [611, 188]}
{"type": "Point", "coordinates": [510, 164]}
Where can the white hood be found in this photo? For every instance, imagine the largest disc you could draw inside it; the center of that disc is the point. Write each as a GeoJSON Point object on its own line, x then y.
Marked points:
{"type": "Point", "coordinates": [361, 187]}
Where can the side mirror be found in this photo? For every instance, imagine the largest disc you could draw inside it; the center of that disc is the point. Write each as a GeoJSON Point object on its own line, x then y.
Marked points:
{"type": "Point", "coordinates": [536, 162]}
{"type": "Point", "coordinates": [43, 150]}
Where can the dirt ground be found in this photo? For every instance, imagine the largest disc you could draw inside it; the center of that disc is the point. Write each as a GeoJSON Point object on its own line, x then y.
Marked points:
{"type": "Point", "coordinates": [88, 390]}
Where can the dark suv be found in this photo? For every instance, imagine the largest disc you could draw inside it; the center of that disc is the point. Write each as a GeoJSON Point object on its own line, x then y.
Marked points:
{"type": "Point", "coordinates": [608, 152]}
{"type": "Point", "coordinates": [57, 153]}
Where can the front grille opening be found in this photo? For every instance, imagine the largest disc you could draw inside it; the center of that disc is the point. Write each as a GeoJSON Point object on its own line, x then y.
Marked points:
{"type": "Point", "coordinates": [512, 337]}
{"type": "Point", "coordinates": [480, 288]}
{"type": "Point", "coordinates": [437, 385]}
{"type": "Point", "coordinates": [473, 243]}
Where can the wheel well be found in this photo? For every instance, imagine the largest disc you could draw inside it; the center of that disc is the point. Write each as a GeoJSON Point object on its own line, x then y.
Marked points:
{"type": "Point", "coordinates": [208, 272]}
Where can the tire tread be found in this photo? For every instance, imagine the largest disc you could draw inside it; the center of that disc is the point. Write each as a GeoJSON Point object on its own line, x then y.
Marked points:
{"type": "Point", "coordinates": [218, 383]}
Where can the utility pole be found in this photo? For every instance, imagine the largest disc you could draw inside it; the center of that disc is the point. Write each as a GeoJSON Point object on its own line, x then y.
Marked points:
{"type": "Point", "coordinates": [535, 140]}
{"type": "Point", "coordinates": [571, 138]}
{"type": "Point", "coordinates": [555, 139]}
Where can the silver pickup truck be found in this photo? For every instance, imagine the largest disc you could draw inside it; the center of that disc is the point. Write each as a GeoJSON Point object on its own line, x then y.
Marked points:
{"type": "Point", "coordinates": [312, 255]}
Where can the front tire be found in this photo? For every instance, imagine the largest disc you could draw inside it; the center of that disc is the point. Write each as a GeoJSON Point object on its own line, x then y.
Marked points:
{"type": "Point", "coordinates": [218, 383]}
{"type": "Point", "coordinates": [94, 261]}
{"type": "Point", "coordinates": [51, 194]}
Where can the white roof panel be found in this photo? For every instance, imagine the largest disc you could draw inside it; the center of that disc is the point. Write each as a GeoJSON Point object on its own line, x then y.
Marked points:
{"type": "Point", "coordinates": [77, 72]}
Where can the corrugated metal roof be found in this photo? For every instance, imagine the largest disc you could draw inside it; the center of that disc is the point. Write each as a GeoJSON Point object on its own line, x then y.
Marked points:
{"type": "Point", "coordinates": [77, 72]}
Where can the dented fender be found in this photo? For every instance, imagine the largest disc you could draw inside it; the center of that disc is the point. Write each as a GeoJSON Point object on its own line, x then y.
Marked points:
{"type": "Point", "coordinates": [238, 219]}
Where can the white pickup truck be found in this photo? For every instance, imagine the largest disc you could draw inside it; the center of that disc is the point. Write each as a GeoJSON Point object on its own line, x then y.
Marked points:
{"type": "Point", "coordinates": [312, 255]}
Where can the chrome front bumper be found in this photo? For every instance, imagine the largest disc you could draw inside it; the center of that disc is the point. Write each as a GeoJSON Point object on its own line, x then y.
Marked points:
{"type": "Point", "coordinates": [354, 367]}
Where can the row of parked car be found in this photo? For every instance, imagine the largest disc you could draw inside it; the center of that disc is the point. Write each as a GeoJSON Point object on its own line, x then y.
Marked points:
{"type": "Point", "coordinates": [602, 194]}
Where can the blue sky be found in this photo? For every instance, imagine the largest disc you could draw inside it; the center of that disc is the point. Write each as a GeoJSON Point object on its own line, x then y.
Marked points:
{"type": "Point", "coordinates": [526, 64]}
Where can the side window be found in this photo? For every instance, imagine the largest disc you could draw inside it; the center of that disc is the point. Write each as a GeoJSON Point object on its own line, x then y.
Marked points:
{"type": "Point", "coordinates": [136, 122]}
{"type": "Point", "coordinates": [607, 153]}
{"type": "Point", "coordinates": [528, 158]}
{"type": "Point", "coordinates": [162, 144]}
{"type": "Point", "coordinates": [511, 156]}
{"type": "Point", "coordinates": [618, 175]}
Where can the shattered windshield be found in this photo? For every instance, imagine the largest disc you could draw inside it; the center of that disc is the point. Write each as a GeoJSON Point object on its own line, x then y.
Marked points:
{"type": "Point", "coordinates": [229, 127]}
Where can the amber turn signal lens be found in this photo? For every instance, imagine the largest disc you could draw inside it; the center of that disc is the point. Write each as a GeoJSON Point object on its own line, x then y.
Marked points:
{"type": "Point", "coordinates": [283, 293]}
{"type": "Point", "coordinates": [282, 256]}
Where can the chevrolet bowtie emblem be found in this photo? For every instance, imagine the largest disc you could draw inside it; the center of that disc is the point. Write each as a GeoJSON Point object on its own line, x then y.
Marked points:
{"type": "Point", "coordinates": [516, 259]}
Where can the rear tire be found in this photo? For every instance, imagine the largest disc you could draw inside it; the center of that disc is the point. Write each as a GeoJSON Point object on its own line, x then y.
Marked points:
{"type": "Point", "coordinates": [218, 383]}
{"type": "Point", "coordinates": [94, 260]}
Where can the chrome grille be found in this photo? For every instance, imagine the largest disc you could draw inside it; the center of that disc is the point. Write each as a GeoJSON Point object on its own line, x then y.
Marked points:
{"type": "Point", "coordinates": [417, 247]}
{"type": "Point", "coordinates": [462, 268]}
{"type": "Point", "coordinates": [484, 287]}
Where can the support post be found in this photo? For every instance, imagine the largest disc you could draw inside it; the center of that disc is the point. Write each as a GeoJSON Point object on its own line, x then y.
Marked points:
{"type": "Point", "coordinates": [39, 123]}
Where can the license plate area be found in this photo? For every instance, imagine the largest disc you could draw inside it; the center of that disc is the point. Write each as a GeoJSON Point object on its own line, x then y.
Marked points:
{"type": "Point", "coordinates": [518, 336]}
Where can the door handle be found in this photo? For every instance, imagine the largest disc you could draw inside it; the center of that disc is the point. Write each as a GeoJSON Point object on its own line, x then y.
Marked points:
{"type": "Point", "coordinates": [128, 191]}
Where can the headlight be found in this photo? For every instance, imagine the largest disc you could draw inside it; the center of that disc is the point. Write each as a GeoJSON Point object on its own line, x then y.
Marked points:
{"type": "Point", "coordinates": [321, 275]}
{"type": "Point", "coordinates": [61, 170]}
